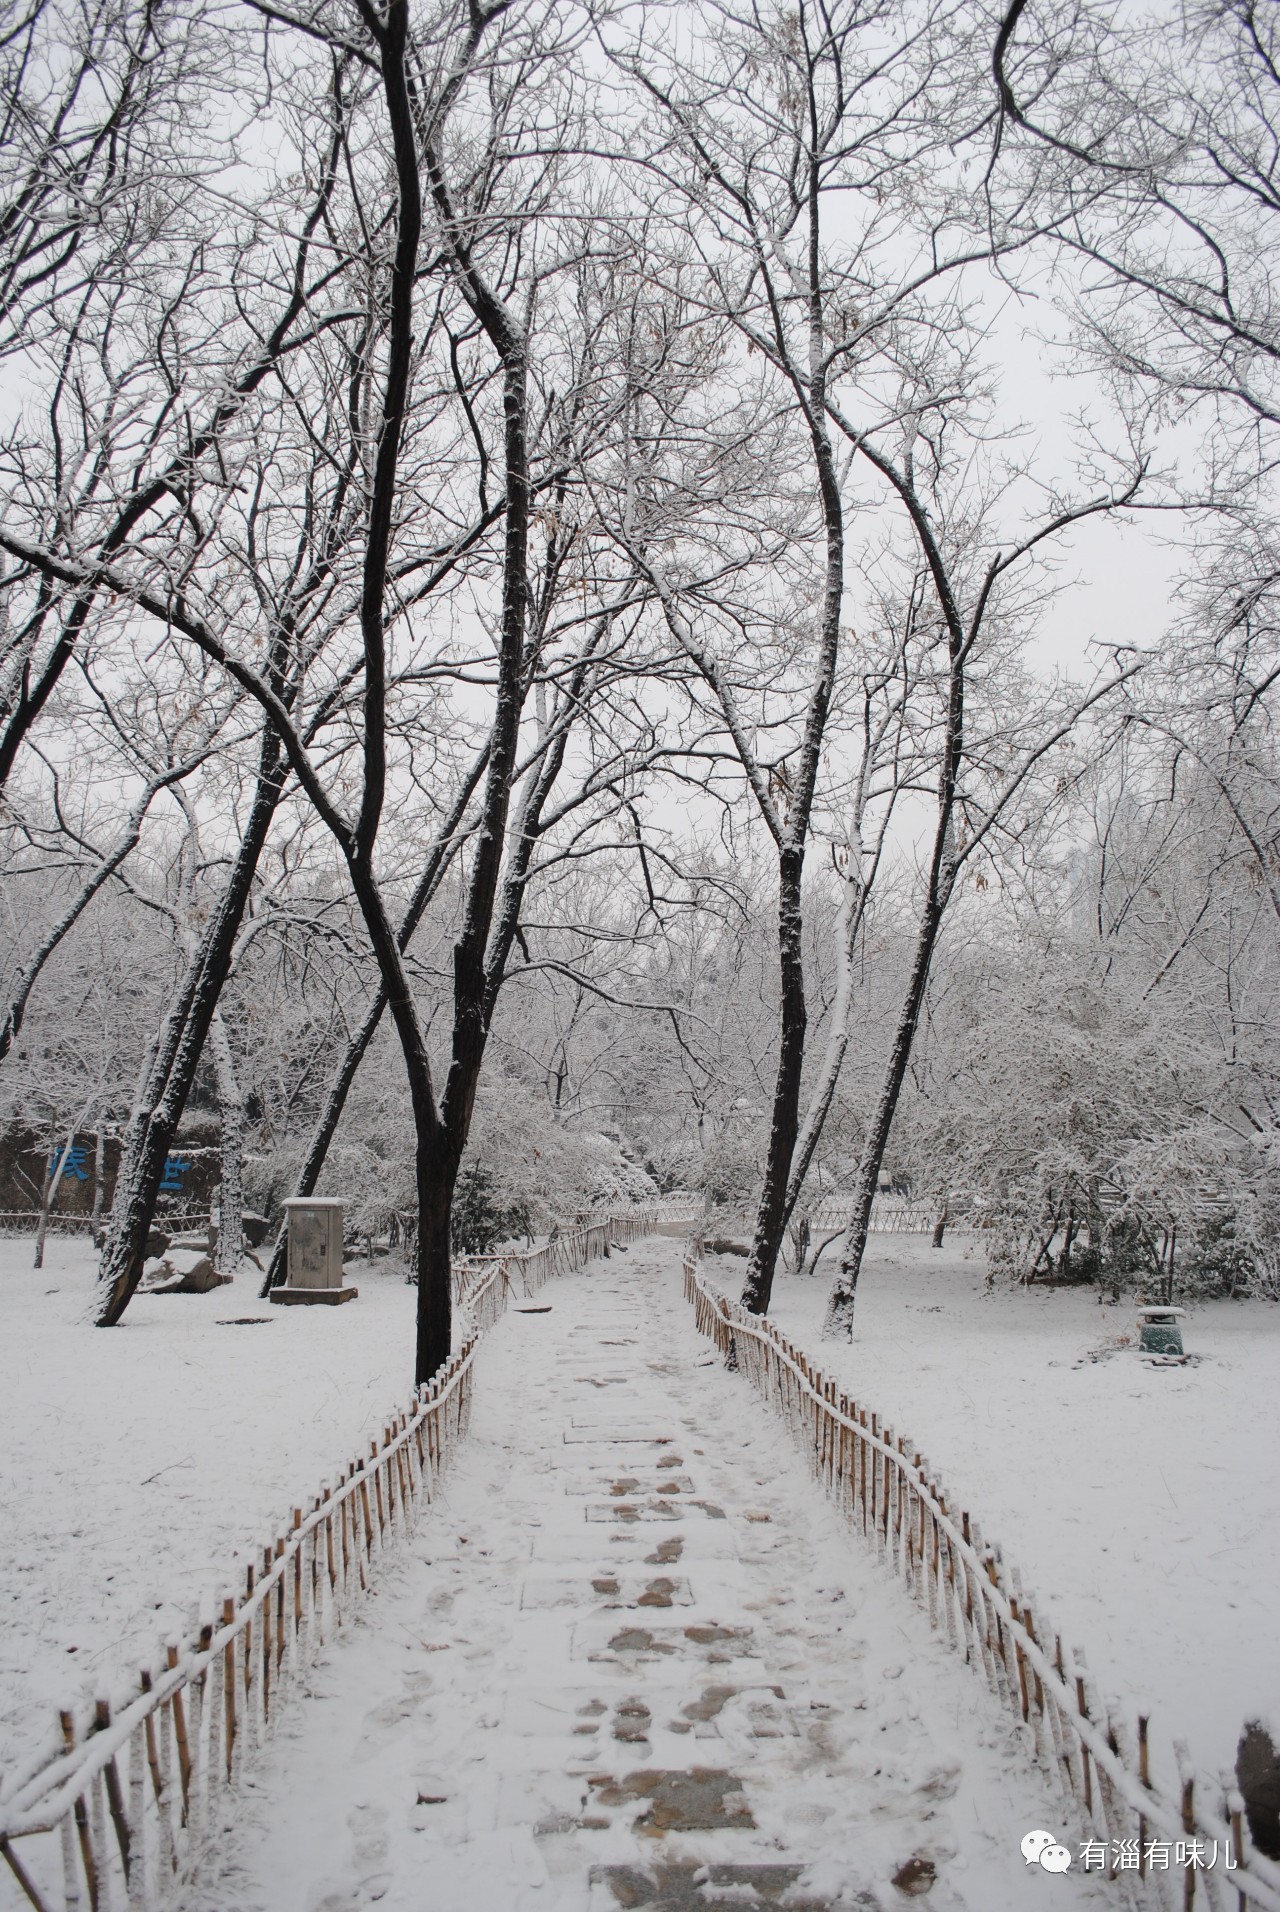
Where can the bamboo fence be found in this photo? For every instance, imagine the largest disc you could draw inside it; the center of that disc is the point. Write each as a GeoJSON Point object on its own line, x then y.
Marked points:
{"type": "Point", "coordinates": [1101, 1762]}
{"type": "Point", "coordinates": [887, 1217]}
{"type": "Point", "coordinates": [72, 1221]}
{"type": "Point", "coordinates": [114, 1810]}
{"type": "Point", "coordinates": [482, 1284]}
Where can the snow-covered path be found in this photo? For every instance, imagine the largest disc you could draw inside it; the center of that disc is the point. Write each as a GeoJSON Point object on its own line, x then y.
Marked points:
{"type": "Point", "coordinates": [633, 1658]}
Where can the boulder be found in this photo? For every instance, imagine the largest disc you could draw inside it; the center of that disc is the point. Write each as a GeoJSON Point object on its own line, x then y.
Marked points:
{"type": "Point", "coordinates": [182, 1272]}
{"type": "Point", "coordinates": [256, 1228]}
{"type": "Point", "coordinates": [157, 1243]}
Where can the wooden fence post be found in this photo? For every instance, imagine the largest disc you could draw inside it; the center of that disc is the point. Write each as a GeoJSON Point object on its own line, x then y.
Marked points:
{"type": "Point", "coordinates": [84, 1833]}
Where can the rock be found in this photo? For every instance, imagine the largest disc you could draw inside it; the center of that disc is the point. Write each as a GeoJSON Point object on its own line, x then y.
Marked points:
{"type": "Point", "coordinates": [196, 1271]}
{"type": "Point", "coordinates": [916, 1877]}
{"type": "Point", "coordinates": [157, 1243]}
{"type": "Point", "coordinates": [182, 1272]}
{"type": "Point", "coordinates": [722, 1246]}
{"type": "Point", "coordinates": [256, 1228]}
{"type": "Point", "coordinates": [1258, 1777]}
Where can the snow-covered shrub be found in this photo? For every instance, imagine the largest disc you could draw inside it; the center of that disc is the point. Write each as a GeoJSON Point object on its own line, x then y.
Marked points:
{"type": "Point", "coordinates": [481, 1219]}
{"type": "Point", "coordinates": [674, 1164]}
{"type": "Point", "coordinates": [1219, 1263]}
{"type": "Point", "coordinates": [553, 1170]}
{"type": "Point", "coordinates": [730, 1170]}
{"type": "Point", "coordinates": [523, 1170]}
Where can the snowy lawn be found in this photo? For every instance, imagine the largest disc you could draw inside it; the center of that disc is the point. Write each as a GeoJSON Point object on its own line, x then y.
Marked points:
{"type": "Point", "coordinates": [1141, 1504]}
{"type": "Point", "coordinates": [142, 1464]}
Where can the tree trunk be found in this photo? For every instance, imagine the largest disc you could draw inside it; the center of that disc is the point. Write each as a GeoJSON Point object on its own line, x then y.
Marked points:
{"type": "Point", "coordinates": [838, 1323]}
{"type": "Point", "coordinates": [941, 882]}
{"type": "Point", "coordinates": [177, 1057]}
{"type": "Point", "coordinates": [435, 1263]}
{"type": "Point", "coordinates": [325, 1129]}
{"type": "Point", "coordinates": [231, 1191]}
{"type": "Point", "coordinates": [31, 698]}
{"type": "Point", "coordinates": [816, 1251]}
{"type": "Point", "coordinates": [940, 1226]}
{"type": "Point", "coordinates": [99, 1178]}
{"type": "Point", "coordinates": [436, 1167]}
{"type": "Point", "coordinates": [853, 900]}
{"type": "Point", "coordinates": [476, 972]}
{"type": "Point", "coordinates": [440, 1135]}
{"type": "Point", "coordinates": [771, 1214]}
{"type": "Point", "coordinates": [1095, 1224]}
{"type": "Point", "coordinates": [773, 1210]}
{"type": "Point", "coordinates": [49, 1194]}
{"type": "Point", "coordinates": [438, 861]}
{"type": "Point", "coordinates": [1043, 1257]}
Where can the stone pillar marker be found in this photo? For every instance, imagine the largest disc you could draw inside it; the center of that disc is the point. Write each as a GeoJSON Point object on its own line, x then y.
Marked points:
{"type": "Point", "coordinates": [315, 1252]}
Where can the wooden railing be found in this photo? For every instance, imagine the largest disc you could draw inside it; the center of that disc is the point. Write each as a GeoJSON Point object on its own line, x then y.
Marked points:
{"type": "Point", "coordinates": [889, 1216]}
{"type": "Point", "coordinates": [127, 1797]}
{"type": "Point", "coordinates": [483, 1283]}
{"type": "Point", "coordinates": [1102, 1764]}
{"type": "Point", "coordinates": [114, 1810]}
{"type": "Point", "coordinates": [72, 1221]}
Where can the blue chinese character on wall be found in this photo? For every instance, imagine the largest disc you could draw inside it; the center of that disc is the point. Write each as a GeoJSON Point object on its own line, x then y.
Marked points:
{"type": "Point", "coordinates": [73, 1169]}
{"type": "Point", "coordinates": [174, 1170]}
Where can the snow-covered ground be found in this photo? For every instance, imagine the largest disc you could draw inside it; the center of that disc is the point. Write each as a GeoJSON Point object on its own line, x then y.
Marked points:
{"type": "Point", "coordinates": [1142, 1504]}
{"type": "Point", "coordinates": [633, 1655]}
{"type": "Point", "coordinates": [140, 1464]}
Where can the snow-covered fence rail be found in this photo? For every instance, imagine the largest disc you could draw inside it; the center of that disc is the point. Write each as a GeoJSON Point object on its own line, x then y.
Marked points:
{"type": "Point", "coordinates": [25, 1221]}
{"type": "Point", "coordinates": [482, 1284]}
{"type": "Point", "coordinates": [680, 1207]}
{"type": "Point", "coordinates": [128, 1796]}
{"type": "Point", "coordinates": [887, 1218]}
{"type": "Point", "coordinates": [1103, 1766]}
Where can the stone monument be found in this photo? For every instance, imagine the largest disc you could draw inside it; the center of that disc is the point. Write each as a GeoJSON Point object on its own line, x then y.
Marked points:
{"type": "Point", "coordinates": [314, 1271]}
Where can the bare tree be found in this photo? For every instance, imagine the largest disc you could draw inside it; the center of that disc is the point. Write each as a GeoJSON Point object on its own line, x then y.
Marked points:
{"type": "Point", "coordinates": [107, 866]}
{"type": "Point", "coordinates": [979, 778]}
{"type": "Point", "coordinates": [94, 148]}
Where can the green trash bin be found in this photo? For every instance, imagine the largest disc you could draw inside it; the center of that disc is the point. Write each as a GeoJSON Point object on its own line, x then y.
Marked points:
{"type": "Point", "coordinates": [1159, 1332]}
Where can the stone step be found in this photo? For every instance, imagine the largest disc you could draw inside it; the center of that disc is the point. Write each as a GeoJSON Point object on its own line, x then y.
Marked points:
{"type": "Point", "coordinates": [686, 1886]}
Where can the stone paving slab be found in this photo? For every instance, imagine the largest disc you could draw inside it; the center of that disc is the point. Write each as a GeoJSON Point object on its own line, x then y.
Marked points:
{"type": "Point", "coordinates": [689, 1887]}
